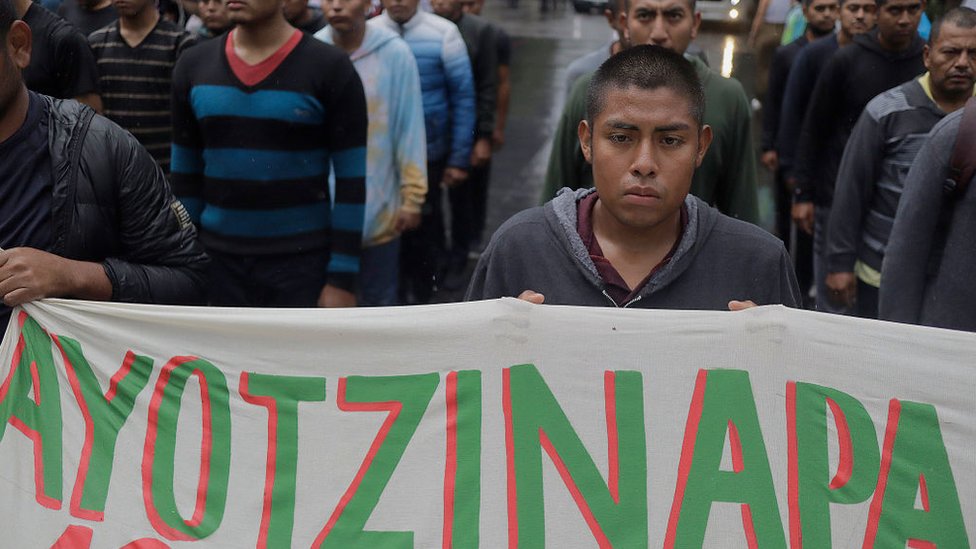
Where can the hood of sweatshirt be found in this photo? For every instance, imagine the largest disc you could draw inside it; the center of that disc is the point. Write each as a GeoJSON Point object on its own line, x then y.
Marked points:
{"type": "Point", "coordinates": [375, 38]}
{"type": "Point", "coordinates": [561, 213]}
{"type": "Point", "coordinates": [869, 41]}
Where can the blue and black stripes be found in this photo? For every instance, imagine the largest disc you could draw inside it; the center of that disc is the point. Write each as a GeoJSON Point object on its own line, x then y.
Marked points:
{"type": "Point", "coordinates": [252, 164]}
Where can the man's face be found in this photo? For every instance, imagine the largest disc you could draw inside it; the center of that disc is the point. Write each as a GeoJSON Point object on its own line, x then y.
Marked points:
{"type": "Point", "coordinates": [250, 11]}
{"type": "Point", "coordinates": [214, 14]}
{"type": "Point", "coordinates": [472, 6]}
{"type": "Point", "coordinates": [644, 147]}
{"type": "Point", "coordinates": [449, 9]}
{"type": "Point", "coordinates": [951, 61]}
{"type": "Point", "coordinates": [131, 8]}
{"type": "Point", "coordinates": [858, 16]}
{"type": "Point", "coordinates": [344, 15]}
{"type": "Point", "coordinates": [666, 23]}
{"type": "Point", "coordinates": [821, 16]}
{"type": "Point", "coordinates": [401, 10]}
{"type": "Point", "coordinates": [898, 22]}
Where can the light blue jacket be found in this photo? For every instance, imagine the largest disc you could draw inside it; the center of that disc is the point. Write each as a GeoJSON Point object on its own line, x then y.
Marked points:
{"type": "Point", "coordinates": [445, 77]}
{"type": "Point", "coordinates": [396, 157]}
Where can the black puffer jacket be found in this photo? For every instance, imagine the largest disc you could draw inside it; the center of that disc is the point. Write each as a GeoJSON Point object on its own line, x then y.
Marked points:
{"type": "Point", "coordinates": [113, 205]}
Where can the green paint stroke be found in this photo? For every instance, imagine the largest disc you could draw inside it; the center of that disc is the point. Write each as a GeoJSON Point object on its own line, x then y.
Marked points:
{"type": "Point", "coordinates": [536, 410]}
{"type": "Point", "coordinates": [467, 500]}
{"type": "Point", "coordinates": [919, 450]}
{"type": "Point", "coordinates": [286, 392]}
{"type": "Point", "coordinates": [107, 418]}
{"type": "Point", "coordinates": [414, 392]}
{"type": "Point", "coordinates": [728, 397]}
{"type": "Point", "coordinates": [813, 467]}
{"type": "Point", "coordinates": [43, 417]}
{"type": "Point", "coordinates": [163, 460]}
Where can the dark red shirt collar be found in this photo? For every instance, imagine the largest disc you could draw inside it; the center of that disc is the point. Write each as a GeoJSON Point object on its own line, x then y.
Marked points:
{"type": "Point", "coordinates": [251, 75]}
{"type": "Point", "coordinates": [614, 284]}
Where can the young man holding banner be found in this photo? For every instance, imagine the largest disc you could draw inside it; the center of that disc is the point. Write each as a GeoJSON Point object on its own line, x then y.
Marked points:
{"type": "Point", "coordinates": [639, 239]}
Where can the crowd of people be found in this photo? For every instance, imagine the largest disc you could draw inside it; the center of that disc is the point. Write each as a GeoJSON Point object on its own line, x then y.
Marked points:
{"type": "Point", "coordinates": [272, 153]}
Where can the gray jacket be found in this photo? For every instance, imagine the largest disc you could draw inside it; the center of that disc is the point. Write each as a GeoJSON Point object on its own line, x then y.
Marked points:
{"type": "Point", "coordinates": [927, 275]}
{"type": "Point", "coordinates": [718, 259]}
{"type": "Point", "coordinates": [883, 145]}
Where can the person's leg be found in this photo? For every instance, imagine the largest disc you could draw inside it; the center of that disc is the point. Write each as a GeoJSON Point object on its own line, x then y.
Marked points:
{"type": "Point", "coordinates": [229, 280]}
{"type": "Point", "coordinates": [867, 300]}
{"type": "Point", "coordinates": [422, 248]}
{"type": "Point", "coordinates": [824, 303]}
{"type": "Point", "coordinates": [292, 280]}
{"type": "Point", "coordinates": [380, 272]}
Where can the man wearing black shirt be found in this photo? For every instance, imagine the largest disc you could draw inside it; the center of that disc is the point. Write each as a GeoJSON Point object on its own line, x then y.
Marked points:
{"type": "Point", "coordinates": [88, 15]}
{"type": "Point", "coordinates": [61, 64]}
{"type": "Point", "coordinates": [84, 211]}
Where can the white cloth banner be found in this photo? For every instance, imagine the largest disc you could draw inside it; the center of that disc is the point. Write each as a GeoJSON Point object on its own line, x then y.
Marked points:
{"type": "Point", "coordinates": [491, 424]}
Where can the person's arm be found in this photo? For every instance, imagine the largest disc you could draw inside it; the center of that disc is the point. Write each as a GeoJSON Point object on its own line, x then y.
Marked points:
{"type": "Point", "coordinates": [737, 193]}
{"type": "Point", "coordinates": [757, 22]}
{"type": "Point", "coordinates": [859, 171]}
{"type": "Point", "coordinates": [796, 97]}
{"type": "Point", "coordinates": [820, 118]}
{"type": "Point", "coordinates": [486, 82]}
{"type": "Point", "coordinates": [566, 162]}
{"type": "Point", "coordinates": [346, 140]}
{"type": "Point", "coordinates": [186, 164]}
{"type": "Point", "coordinates": [410, 141]}
{"type": "Point", "coordinates": [504, 87]}
{"type": "Point", "coordinates": [27, 274]}
{"type": "Point", "coordinates": [913, 235]}
{"type": "Point", "coordinates": [461, 102]}
{"type": "Point", "coordinates": [778, 73]}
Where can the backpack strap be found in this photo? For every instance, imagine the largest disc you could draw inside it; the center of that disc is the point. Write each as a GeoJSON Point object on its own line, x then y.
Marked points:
{"type": "Point", "coordinates": [962, 163]}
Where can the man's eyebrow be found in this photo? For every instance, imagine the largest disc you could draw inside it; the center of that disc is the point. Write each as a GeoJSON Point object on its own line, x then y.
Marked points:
{"type": "Point", "coordinates": [676, 127]}
{"type": "Point", "coordinates": [620, 125]}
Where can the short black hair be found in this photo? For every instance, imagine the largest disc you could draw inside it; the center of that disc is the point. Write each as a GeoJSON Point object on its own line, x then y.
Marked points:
{"type": "Point", "coordinates": [7, 17]}
{"type": "Point", "coordinates": [646, 67]}
{"type": "Point", "coordinates": [961, 17]}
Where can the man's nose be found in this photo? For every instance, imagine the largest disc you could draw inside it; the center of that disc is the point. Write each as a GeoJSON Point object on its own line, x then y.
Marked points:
{"type": "Point", "coordinates": [645, 163]}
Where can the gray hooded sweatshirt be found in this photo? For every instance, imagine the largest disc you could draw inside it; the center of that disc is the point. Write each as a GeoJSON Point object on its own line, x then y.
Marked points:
{"type": "Point", "coordinates": [717, 260]}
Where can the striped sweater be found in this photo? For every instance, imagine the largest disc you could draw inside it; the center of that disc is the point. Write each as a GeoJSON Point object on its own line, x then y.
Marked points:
{"type": "Point", "coordinates": [252, 162]}
{"type": "Point", "coordinates": [135, 82]}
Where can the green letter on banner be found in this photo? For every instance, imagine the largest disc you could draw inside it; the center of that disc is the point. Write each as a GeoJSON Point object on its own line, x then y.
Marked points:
{"type": "Point", "coordinates": [158, 462]}
{"type": "Point", "coordinates": [916, 463]}
{"type": "Point", "coordinates": [724, 405]}
{"type": "Point", "coordinates": [39, 419]}
{"type": "Point", "coordinates": [616, 509]}
{"type": "Point", "coordinates": [405, 398]}
{"type": "Point", "coordinates": [857, 472]}
{"type": "Point", "coordinates": [106, 415]}
{"type": "Point", "coordinates": [280, 395]}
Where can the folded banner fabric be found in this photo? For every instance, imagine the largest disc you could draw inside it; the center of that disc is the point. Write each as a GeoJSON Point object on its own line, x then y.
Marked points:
{"type": "Point", "coordinates": [490, 424]}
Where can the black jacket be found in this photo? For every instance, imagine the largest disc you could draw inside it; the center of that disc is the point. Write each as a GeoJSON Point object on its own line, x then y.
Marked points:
{"type": "Point", "coordinates": [112, 204]}
{"type": "Point", "coordinates": [479, 37]}
{"type": "Point", "coordinates": [852, 77]}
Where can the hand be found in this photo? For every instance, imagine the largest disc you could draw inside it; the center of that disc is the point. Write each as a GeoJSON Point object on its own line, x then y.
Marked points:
{"type": "Point", "coordinates": [406, 221]}
{"type": "Point", "coordinates": [481, 152]}
{"type": "Point", "coordinates": [803, 216]}
{"type": "Point", "coordinates": [770, 159]}
{"type": "Point", "coordinates": [27, 274]}
{"type": "Point", "coordinates": [498, 138]}
{"type": "Point", "coordinates": [336, 297]}
{"type": "Point", "coordinates": [735, 305]}
{"type": "Point", "coordinates": [843, 288]}
{"type": "Point", "coordinates": [532, 297]}
{"type": "Point", "coordinates": [453, 176]}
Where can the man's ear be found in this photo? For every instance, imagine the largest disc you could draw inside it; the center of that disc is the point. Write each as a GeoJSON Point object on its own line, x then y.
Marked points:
{"type": "Point", "coordinates": [925, 56]}
{"type": "Point", "coordinates": [704, 140]}
{"type": "Point", "coordinates": [696, 25]}
{"type": "Point", "coordinates": [585, 140]}
{"type": "Point", "coordinates": [19, 44]}
{"type": "Point", "coordinates": [622, 20]}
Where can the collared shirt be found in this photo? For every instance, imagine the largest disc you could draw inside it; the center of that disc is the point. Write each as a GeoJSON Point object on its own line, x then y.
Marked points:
{"type": "Point", "coordinates": [615, 286]}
